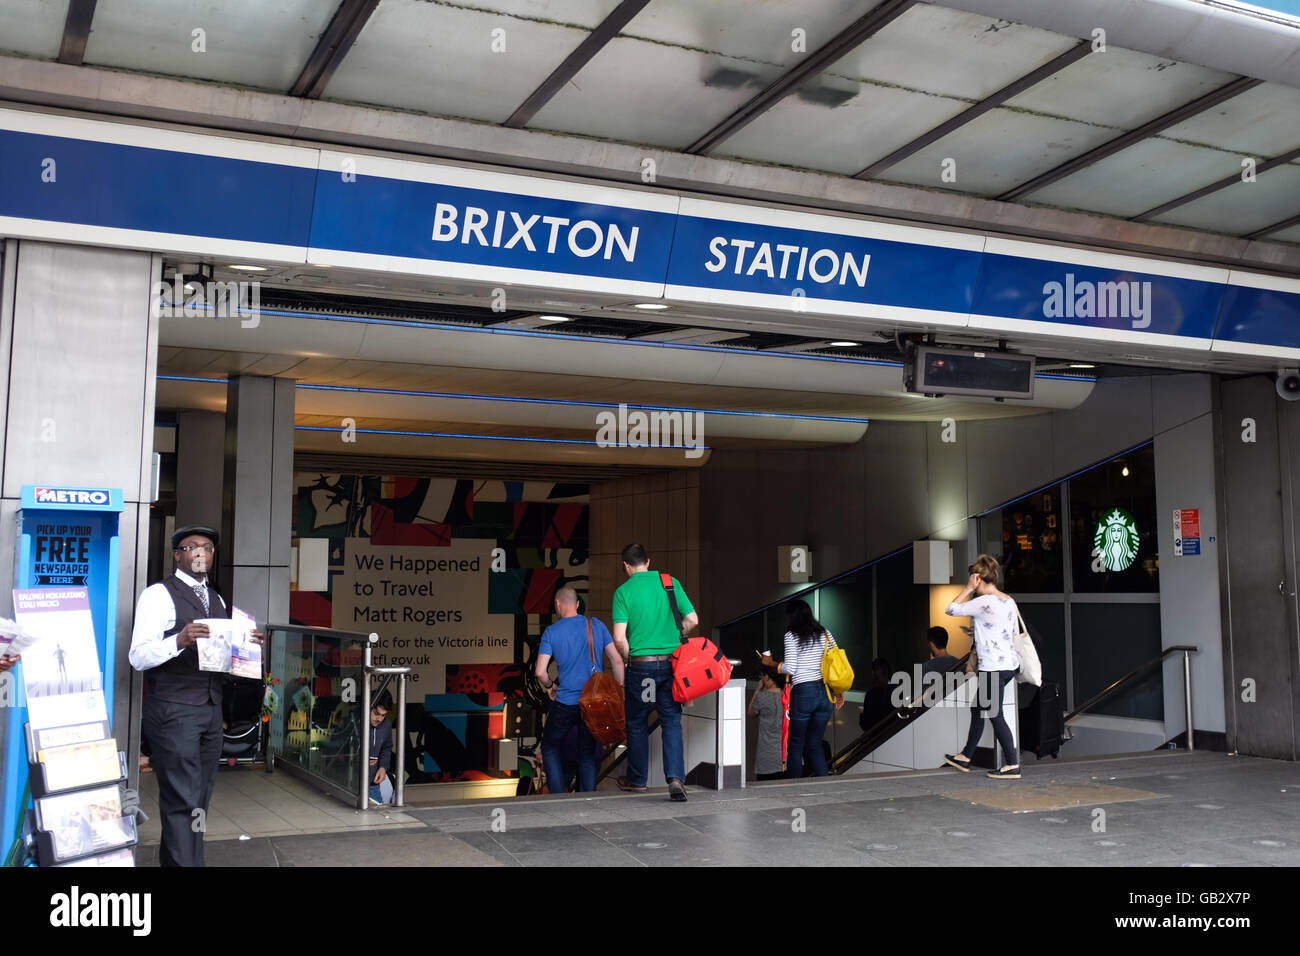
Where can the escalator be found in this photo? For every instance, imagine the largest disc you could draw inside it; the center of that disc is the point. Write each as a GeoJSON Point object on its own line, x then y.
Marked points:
{"type": "Point", "coordinates": [618, 756]}
{"type": "Point", "coordinates": [884, 730]}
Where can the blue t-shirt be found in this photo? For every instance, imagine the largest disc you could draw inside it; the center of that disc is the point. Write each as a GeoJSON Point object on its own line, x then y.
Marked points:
{"type": "Point", "coordinates": [566, 642]}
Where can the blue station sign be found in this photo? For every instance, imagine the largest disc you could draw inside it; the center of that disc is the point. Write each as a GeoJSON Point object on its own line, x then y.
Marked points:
{"type": "Point", "coordinates": [78, 180]}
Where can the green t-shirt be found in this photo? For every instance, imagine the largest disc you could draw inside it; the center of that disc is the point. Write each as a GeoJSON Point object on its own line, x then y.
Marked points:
{"type": "Point", "coordinates": [642, 604]}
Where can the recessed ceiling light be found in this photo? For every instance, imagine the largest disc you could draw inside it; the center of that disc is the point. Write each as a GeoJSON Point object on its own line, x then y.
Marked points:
{"type": "Point", "coordinates": [248, 268]}
{"type": "Point", "coordinates": [844, 345]}
{"type": "Point", "coordinates": [650, 306]}
{"type": "Point", "coordinates": [320, 265]}
{"type": "Point", "coordinates": [1081, 365]}
{"type": "Point", "coordinates": [554, 318]}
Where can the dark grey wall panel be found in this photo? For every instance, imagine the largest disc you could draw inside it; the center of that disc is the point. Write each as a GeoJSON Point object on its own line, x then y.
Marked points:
{"type": "Point", "coordinates": [1289, 430]}
{"type": "Point", "coordinates": [1117, 415]}
{"type": "Point", "coordinates": [1008, 458]}
{"type": "Point", "coordinates": [897, 490]}
{"type": "Point", "coordinates": [1260, 639]}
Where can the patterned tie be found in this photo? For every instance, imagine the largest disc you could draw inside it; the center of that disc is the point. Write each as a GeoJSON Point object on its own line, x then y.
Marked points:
{"type": "Point", "coordinates": [202, 591]}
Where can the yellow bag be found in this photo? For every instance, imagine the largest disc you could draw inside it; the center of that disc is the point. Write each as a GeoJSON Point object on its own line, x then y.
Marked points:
{"type": "Point", "coordinates": [837, 675]}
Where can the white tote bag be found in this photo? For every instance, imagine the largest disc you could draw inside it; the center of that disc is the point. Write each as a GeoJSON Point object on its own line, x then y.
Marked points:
{"type": "Point", "coordinates": [1031, 670]}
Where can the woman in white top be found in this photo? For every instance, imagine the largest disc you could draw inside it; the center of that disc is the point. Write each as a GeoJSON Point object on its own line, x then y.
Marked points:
{"type": "Point", "coordinates": [995, 617]}
{"type": "Point", "coordinates": [811, 705]}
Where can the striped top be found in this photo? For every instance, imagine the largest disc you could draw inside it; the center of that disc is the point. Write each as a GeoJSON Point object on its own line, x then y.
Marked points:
{"type": "Point", "coordinates": [804, 663]}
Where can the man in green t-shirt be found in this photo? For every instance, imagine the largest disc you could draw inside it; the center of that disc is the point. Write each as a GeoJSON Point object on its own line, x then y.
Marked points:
{"type": "Point", "coordinates": [646, 634]}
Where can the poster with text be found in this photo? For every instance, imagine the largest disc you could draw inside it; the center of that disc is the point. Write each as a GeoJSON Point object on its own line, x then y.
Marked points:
{"type": "Point", "coordinates": [429, 606]}
{"type": "Point", "coordinates": [61, 670]}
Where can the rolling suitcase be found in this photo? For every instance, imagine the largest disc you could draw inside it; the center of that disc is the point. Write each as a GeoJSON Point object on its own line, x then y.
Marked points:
{"type": "Point", "coordinates": [1046, 722]}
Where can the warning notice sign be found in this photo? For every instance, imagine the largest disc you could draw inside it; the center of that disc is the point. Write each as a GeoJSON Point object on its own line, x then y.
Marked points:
{"type": "Point", "coordinates": [1187, 531]}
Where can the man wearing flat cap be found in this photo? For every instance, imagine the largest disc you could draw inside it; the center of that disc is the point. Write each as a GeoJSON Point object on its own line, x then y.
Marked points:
{"type": "Point", "coordinates": [182, 706]}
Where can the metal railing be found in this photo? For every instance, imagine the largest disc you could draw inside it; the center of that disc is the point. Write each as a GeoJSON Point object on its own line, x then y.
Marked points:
{"type": "Point", "coordinates": [885, 728]}
{"type": "Point", "coordinates": [1141, 671]}
{"type": "Point", "coordinates": [388, 673]}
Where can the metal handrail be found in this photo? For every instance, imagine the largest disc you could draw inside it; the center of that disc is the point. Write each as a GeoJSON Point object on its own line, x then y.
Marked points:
{"type": "Point", "coordinates": [401, 673]}
{"type": "Point", "coordinates": [873, 737]}
{"type": "Point", "coordinates": [1143, 670]}
{"type": "Point", "coordinates": [613, 760]}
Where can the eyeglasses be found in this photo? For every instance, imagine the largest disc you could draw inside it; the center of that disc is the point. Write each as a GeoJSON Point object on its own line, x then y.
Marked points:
{"type": "Point", "coordinates": [197, 547]}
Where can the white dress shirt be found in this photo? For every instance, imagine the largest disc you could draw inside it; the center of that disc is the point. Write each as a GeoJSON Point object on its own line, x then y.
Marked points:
{"type": "Point", "coordinates": [155, 614]}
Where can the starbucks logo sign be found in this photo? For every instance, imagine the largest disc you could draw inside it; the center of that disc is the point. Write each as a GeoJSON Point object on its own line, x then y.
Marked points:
{"type": "Point", "coordinates": [1116, 540]}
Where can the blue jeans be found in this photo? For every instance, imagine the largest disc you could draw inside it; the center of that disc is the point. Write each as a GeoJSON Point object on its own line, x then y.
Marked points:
{"type": "Point", "coordinates": [559, 720]}
{"type": "Point", "coordinates": [1000, 726]}
{"type": "Point", "coordinates": [810, 712]}
{"type": "Point", "coordinates": [650, 684]}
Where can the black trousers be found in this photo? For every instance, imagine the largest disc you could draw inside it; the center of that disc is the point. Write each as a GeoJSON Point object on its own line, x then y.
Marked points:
{"type": "Point", "coordinates": [186, 745]}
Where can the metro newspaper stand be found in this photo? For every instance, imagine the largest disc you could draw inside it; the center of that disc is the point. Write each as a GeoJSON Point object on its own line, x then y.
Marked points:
{"type": "Point", "coordinates": [66, 595]}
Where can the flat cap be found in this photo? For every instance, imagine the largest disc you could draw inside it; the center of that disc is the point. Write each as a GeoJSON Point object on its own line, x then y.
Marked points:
{"type": "Point", "coordinates": [183, 533]}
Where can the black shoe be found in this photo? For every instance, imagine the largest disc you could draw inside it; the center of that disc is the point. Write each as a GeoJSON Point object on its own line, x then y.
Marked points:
{"type": "Point", "coordinates": [1006, 773]}
{"type": "Point", "coordinates": [952, 761]}
{"type": "Point", "coordinates": [676, 791]}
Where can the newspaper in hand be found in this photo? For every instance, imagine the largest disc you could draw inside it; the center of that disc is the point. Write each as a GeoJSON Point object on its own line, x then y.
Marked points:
{"type": "Point", "coordinates": [245, 653]}
{"type": "Point", "coordinates": [230, 647]}
{"type": "Point", "coordinates": [214, 650]}
{"type": "Point", "coordinates": [14, 639]}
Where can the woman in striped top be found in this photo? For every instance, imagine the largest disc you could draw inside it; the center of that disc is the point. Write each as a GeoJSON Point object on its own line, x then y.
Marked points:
{"type": "Point", "coordinates": [810, 704]}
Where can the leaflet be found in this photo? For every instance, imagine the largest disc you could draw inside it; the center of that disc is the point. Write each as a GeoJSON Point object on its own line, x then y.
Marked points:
{"type": "Point", "coordinates": [79, 765]}
{"type": "Point", "coordinates": [61, 672]}
{"type": "Point", "coordinates": [85, 822]}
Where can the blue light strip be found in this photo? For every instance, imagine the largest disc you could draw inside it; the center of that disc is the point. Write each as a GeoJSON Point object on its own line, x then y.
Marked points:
{"type": "Point", "coordinates": [497, 330]}
{"type": "Point", "coordinates": [561, 401]}
{"type": "Point", "coordinates": [541, 441]}
{"type": "Point", "coordinates": [540, 401]}
{"type": "Point", "coordinates": [1053, 484]}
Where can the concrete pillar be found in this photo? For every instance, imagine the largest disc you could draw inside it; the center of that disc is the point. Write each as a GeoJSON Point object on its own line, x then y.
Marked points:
{"type": "Point", "coordinates": [78, 364]}
{"type": "Point", "coordinates": [258, 496]}
{"type": "Point", "coordinates": [200, 467]}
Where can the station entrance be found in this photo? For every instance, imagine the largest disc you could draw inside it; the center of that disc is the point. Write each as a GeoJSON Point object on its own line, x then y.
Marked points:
{"type": "Point", "coordinates": [453, 466]}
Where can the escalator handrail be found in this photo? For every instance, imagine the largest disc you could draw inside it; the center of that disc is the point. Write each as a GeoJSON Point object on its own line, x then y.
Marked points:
{"type": "Point", "coordinates": [606, 771]}
{"type": "Point", "coordinates": [881, 731]}
{"type": "Point", "coordinates": [1142, 670]}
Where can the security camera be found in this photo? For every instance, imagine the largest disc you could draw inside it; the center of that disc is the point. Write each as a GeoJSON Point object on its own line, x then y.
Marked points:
{"type": "Point", "coordinates": [1288, 384]}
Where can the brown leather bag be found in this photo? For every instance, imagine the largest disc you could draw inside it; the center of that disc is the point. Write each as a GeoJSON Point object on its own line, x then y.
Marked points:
{"type": "Point", "coordinates": [601, 702]}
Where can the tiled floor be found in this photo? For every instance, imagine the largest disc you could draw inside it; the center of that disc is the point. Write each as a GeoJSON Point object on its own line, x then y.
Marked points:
{"type": "Point", "coordinates": [1159, 809]}
{"type": "Point", "coordinates": [252, 803]}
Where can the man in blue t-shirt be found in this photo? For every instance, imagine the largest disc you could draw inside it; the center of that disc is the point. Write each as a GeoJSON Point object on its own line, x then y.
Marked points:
{"type": "Point", "coordinates": [566, 641]}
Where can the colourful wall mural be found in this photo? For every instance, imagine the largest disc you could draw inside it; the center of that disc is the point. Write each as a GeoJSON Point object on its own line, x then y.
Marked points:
{"type": "Point", "coordinates": [532, 538]}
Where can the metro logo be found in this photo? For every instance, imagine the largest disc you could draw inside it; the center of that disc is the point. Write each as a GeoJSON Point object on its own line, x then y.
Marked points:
{"type": "Point", "coordinates": [71, 496]}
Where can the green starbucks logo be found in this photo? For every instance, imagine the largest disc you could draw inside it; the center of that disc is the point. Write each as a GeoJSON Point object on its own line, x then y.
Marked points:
{"type": "Point", "coordinates": [1116, 540]}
